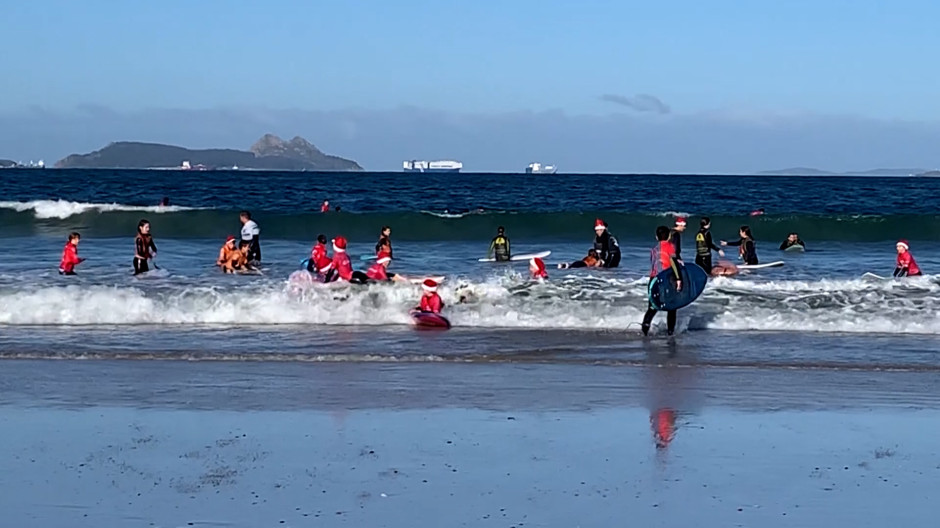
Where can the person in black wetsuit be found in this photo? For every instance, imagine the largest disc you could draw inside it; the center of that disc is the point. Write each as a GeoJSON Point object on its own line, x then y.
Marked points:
{"type": "Point", "coordinates": [384, 245]}
{"type": "Point", "coordinates": [746, 245]}
{"type": "Point", "coordinates": [606, 245]}
{"type": "Point", "coordinates": [590, 261]}
{"type": "Point", "coordinates": [793, 239]}
{"type": "Point", "coordinates": [675, 236]}
{"type": "Point", "coordinates": [500, 246]}
{"type": "Point", "coordinates": [704, 246]}
{"type": "Point", "coordinates": [144, 248]}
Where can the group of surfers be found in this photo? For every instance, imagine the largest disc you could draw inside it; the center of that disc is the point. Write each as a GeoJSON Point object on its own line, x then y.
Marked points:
{"type": "Point", "coordinates": [605, 253]}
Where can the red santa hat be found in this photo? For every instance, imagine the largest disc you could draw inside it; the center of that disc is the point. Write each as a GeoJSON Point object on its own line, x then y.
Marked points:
{"type": "Point", "coordinates": [229, 238]}
{"type": "Point", "coordinates": [429, 285]}
{"type": "Point", "coordinates": [680, 221]}
{"type": "Point", "coordinates": [383, 257]}
{"type": "Point", "coordinates": [339, 244]}
{"type": "Point", "coordinates": [599, 225]}
{"type": "Point", "coordinates": [903, 243]}
{"type": "Point", "coordinates": [537, 264]}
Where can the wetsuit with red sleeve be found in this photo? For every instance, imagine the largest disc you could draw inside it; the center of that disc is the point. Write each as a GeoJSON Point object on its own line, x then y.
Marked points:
{"type": "Point", "coordinates": [431, 302]}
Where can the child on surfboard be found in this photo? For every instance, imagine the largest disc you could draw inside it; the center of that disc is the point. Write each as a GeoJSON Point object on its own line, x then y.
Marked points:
{"type": "Point", "coordinates": [663, 257]}
{"type": "Point", "coordinates": [431, 302]}
{"type": "Point", "coordinates": [907, 266]}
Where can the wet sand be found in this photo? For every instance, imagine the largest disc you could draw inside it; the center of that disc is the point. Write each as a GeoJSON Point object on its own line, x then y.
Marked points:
{"type": "Point", "coordinates": [166, 443]}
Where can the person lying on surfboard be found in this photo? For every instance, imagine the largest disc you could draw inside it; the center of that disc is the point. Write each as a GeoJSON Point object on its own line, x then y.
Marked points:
{"type": "Point", "coordinates": [723, 269]}
{"type": "Point", "coordinates": [537, 269]}
{"type": "Point", "coordinates": [663, 257]}
{"type": "Point", "coordinates": [746, 246]}
{"type": "Point", "coordinates": [379, 271]}
{"type": "Point", "coordinates": [906, 267]}
{"type": "Point", "coordinates": [590, 261]}
{"type": "Point", "coordinates": [430, 301]}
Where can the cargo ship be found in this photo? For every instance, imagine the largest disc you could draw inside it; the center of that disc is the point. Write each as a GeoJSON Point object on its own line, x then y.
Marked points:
{"type": "Point", "coordinates": [538, 168]}
{"type": "Point", "coordinates": [432, 166]}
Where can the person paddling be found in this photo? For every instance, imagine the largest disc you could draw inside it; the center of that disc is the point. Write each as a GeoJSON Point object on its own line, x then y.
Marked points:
{"type": "Point", "coordinates": [144, 248]}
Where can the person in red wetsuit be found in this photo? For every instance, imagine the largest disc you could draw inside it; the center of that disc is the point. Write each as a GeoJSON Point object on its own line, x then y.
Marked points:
{"type": "Point", "coordinates": [379, 271]}
{"type": "Point", "coordinates": [70, 257]}
{"type": "Point", "coordinates": [325, 207]}
{"type": "Point", "coordinates": [663, 257]}
{"type": "Point", "coordinates": [906, 267]}
{"type": "Point", "coordinates": [319, 262]}
{"type": "Point", "coordinates": [342, 266]}
{"type": "Point", "coordinates": [430, 301]}
{"type": "Point", "coordinates": [537, 269]}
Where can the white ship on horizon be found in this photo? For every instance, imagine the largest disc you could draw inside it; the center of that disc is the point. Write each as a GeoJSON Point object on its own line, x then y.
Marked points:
{"type": "Point", "coordinates": [432, 166]}
{"type": "Point", "coordinates": [538, 168]}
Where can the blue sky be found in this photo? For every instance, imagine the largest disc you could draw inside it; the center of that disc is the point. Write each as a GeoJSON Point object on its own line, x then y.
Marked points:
{"type": "Point", "coordinates": [718, 60]}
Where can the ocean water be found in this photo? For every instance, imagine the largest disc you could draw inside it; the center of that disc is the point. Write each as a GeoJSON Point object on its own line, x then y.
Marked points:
{"type": "Point", "coordinates": [817, 311]}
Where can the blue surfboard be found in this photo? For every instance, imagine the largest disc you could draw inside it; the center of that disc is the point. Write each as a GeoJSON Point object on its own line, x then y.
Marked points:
{"type": "Point", "coordinates": [662, 289]}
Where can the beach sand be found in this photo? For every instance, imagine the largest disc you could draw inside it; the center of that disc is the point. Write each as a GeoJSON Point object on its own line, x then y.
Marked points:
{"type": "Point", "coordinates": [171, 443]}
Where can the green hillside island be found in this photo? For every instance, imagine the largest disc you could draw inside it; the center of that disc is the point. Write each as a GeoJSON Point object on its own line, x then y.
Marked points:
{"type": "Point", "coordinates": [269, 153]}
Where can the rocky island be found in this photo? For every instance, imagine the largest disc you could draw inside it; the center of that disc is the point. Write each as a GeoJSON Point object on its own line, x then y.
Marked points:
{"type": "Point", "coordinates": [268, 153]}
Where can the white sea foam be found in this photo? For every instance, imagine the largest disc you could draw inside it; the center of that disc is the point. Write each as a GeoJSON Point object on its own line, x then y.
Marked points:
{"type": "Point", "coordinates": [844, 306]}
{"type": "Point", "coordinates": [62, 209]}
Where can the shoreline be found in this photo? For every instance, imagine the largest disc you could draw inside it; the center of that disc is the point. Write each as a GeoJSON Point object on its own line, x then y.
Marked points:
{"type": "Point", "coordinates": [160, 444]}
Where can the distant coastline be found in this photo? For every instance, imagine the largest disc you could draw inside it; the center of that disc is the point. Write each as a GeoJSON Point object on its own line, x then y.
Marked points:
{"type": "Point", "coordinates": [268, 153]}
{"type": "Point", "coordinates": [808, 171]}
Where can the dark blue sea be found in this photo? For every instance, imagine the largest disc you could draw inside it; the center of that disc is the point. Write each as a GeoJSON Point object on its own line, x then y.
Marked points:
{"type": "Point", "coordinates": [818, 310]}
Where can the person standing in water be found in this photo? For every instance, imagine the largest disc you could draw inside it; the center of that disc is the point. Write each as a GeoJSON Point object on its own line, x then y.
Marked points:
{"type": "Point", "coordinates": [251, 233]}
{"type": "Point", "coordinates": [663, 257]}
{"type": "Point", "coordinates": [675, 236]}
{"type": "Point", "coordinates": [384, 245]}
{"type": "Point", "coordinates": [144, 248]}
{"type": "Point", "coordinates": [747, 249]}
{"type": "Point", "coordinates": [500, 246]}
{"type": "Point", "coordinates": [704, 246]}
{"type": "Point", "coordinates": [906, 267]}
{"type": "Point", "coordinates": [606, 245]}
{"type": "Point", "coordinates": [70, 257]}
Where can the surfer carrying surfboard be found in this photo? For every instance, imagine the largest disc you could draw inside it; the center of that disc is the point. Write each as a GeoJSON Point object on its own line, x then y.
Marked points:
{"type": "Point", "coordinates": [662, 257]}
{"type": "Point", "coordinates": [500, 246]}
{"type": "Point", "coordinates": [747, 248]}
{"type": "Point", "coordinates": [606, 245]}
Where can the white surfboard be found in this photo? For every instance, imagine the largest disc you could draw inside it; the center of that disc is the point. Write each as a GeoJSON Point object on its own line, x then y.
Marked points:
{"type": "Point", "coordinates": [872, 276]}
{"type": "Point", "coordinates": [514, 258]}
{"type": "Point", "coordinates": [760, 266]}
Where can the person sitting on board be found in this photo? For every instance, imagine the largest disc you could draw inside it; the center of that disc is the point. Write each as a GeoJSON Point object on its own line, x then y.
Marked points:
{"type": "Point", "coordinates": [907, 266]}
{"type": "Point", "coordinates": [606, 245]}
{"type": "Point", "coordinates": [662, 257]}
{"type": "Point", "coordinates": [704, 246]}
{"type": "Point", "coordinates": [144, 248]}
{"type": "Point", "coordinates": [384, 245]}
{"type": "Point", "coordinates": [431, 302]}
{"type": "Point", "coordinates": [325, 206]}
{"type": "Point", "coordinates": [590, 261]}
{"type": "Point", "coordinates": [379, 271]}
{"type": "Point", "coordinates": [537, 269]}
{"type": "Point", "coordinates": [675, 236]}
{"type": "Point", "coordinates": [500, 246]}
{"type": "Point", "coordinates": [793, 239]}
{"type": "Point", "coordinates": [238, 260]}
{"type": "Point", "coordinates": [319, 262]}
{"type": "Point", "coordinates": [747, 249]}
{"type": "Point", "coordinates": [70, 257]}
{"type": "Point", "coordinates": [342, 266]}
{"type": "Point", "coordinates": [251, 233]}
{"type": "Point", "coordinates": [225, 252]}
